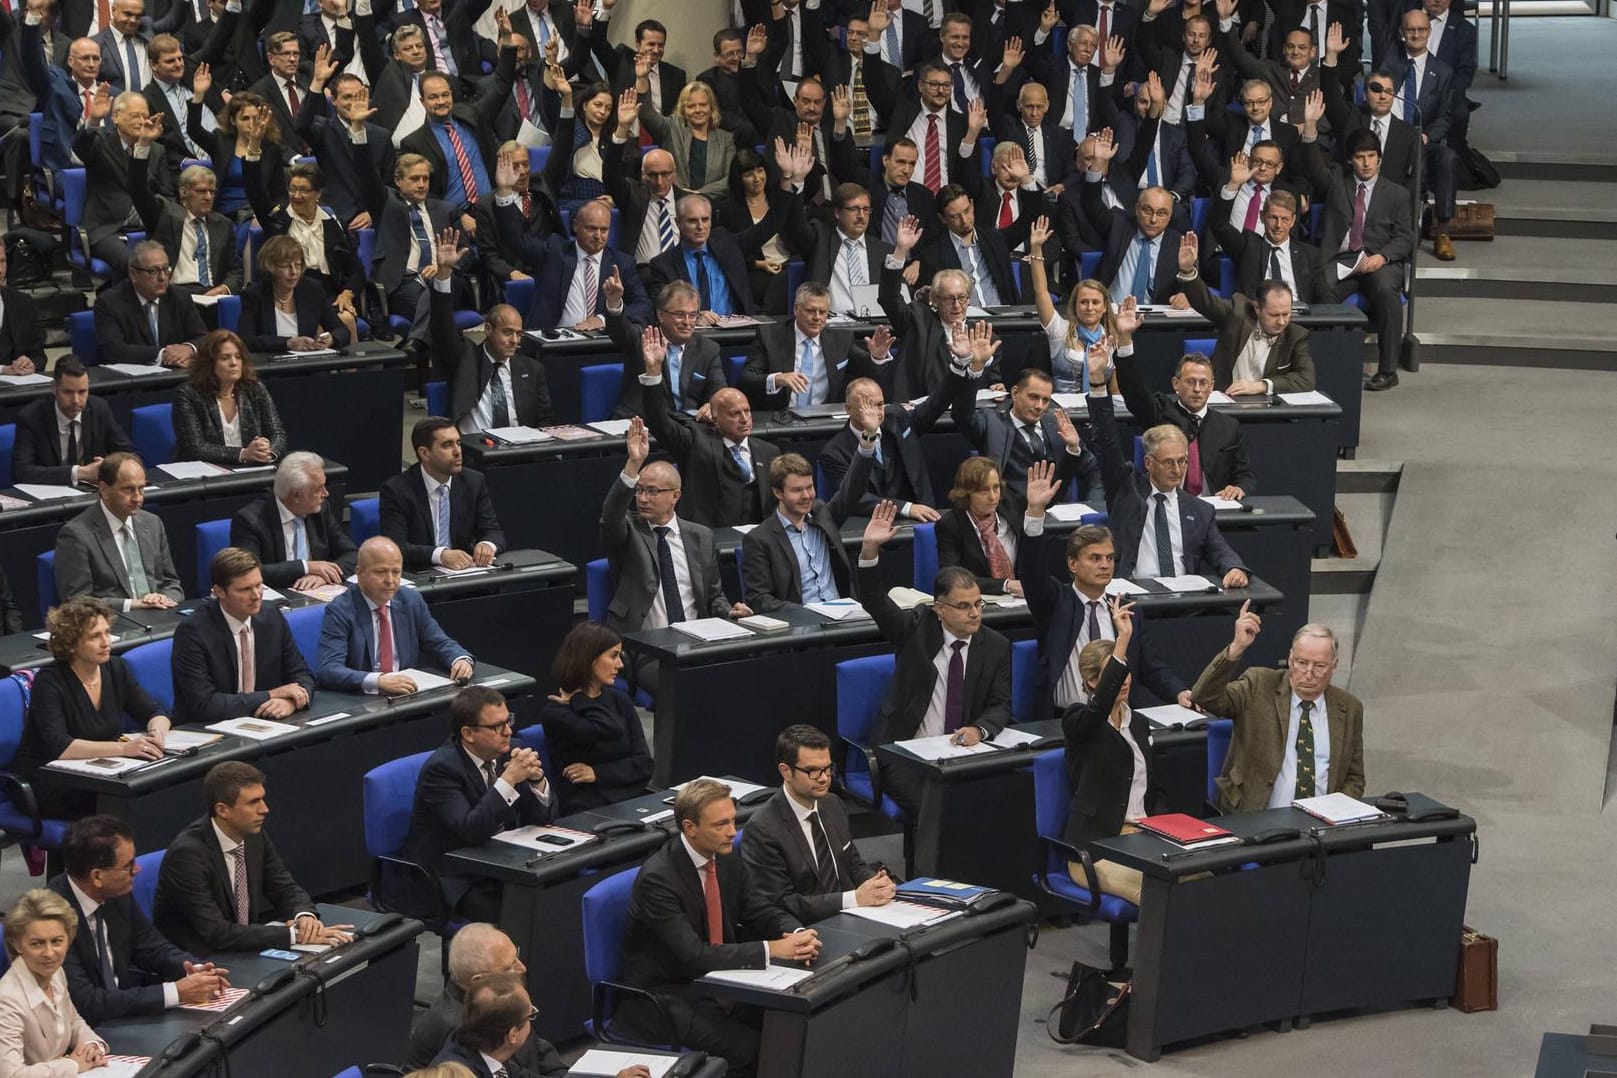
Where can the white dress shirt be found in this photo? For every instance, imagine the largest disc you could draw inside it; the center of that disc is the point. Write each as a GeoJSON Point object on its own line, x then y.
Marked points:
{"type": "Point", "coordinates": [1254, 358]}
{"type": "Point", "coordinates": [650, 245]}
{"type": "Point", "coordinates": [657, 614]}
{"type": "Point", "coordinates": [1071, 688]}
{"type": "Point", "coordinates": [289, 531]}
{"type": "Point", "coordinates": [186, 270]}
{"type": "Point", "coordinates": [1136, 804]}
{"type": "Point", "coordinates": [227, 846]}
{"type": "Point", "coordinates": [701, 879]}
{"type": "Point", "coordinates": [842, 285]}
{"type": "Point", "coordinates": [820, 383]}
{"type": "Point", "coordinates": [133, 80]}
{"type": "Point", "coordinates": [1419, 64]}
{"type": "Point", "coordinates": [1242, 201]}
{"type": "Point", "coordinates": [984, 293]}
{"type": "Point", "coordinates": [481, 417]}
{"type": "Point", "coordinates": [507, 792]}
{"type": "Point", "coordinates": [311, 236]}
{"type": "Point", "coordinates": [1285, 787]}
{"type": "Point", "coordinates": [117, 527]}
{"type": "Point", "coordinates": [1435, 40]}
{"type": "Point", "coordinates": [1145, 562]}
{"type": "Point", "coordinates": [850, 899]}
{"type": "Point", "coordinates": [932, 721]}
{"type": "Point", "coordinates": [946, 152]}
{"type": "Point", "coordinates": [575, 310]}
{"type": "Point", "coordinates": [88, 908]}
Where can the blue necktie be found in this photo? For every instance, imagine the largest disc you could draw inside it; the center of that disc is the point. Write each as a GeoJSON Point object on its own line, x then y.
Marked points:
{"type": "Point", "coordinates": [665, 571]}
{"type": "Point", "coordinates": [805, 367]}
{"type": "Point", "coordinates": [300, 540]}
{"type": "Point", "coordinates": [442, 536]}
{"type": "Point", "coordinates": [131, 67]}
{"type": "Point", "coordinates": [1409, 93]}
{"type": "Point", "coordinates": [1141, 288]}
{"type": "Point", "coordinates": [1078, 92]}
{"type": "Point", "coordinates": [741, 462]}
{"type": "Point", "coordinates": [204, 270]}
{"type": "Point", "coordinates": [1257, 137]}
{"type": "Point", "coordinates": [1151, 169]}
{"type": "Point", "coordinates": [151, 320]}
{"type": "Point", "coordinates": [675, 353]}
{"type": "Point", "coordinates": [423, 237]}
{"type": "Point", "coordinates": [702, 284]}
{"type": "Point", "coordinates": [1164, 538]}
{"type": "Point", "coordinates": [959, 75]}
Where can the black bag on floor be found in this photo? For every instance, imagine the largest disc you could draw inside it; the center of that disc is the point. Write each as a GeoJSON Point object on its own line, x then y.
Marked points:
{"type": "Point", "coordinates": [1474, 172]}
{"type": "Point", "coordinates": [28, 256]}
{"type": "Point", "coordinates": [1094, 1011]}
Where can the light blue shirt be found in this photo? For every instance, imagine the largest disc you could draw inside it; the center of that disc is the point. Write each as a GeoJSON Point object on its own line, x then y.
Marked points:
{"type": "Point", "coordinates": [1285, 787]}
{"type": "Point", "coordinates": [813, 561]}
{"type": "Point", "coordinates": [1125, 270]}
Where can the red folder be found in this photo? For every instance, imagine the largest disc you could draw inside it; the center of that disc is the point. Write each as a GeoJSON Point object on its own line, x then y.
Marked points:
{"type": "Point", "coordinates": [1187, 831]}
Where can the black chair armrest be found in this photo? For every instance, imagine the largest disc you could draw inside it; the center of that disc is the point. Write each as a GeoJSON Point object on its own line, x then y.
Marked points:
{"type": "Point", "coordinates": [1082, 857]}
{"type": "Point", "coordinates": [605, 992]}
{"type": "Point", "coordinates": [22, 795]}
{"type": "Point", "coordinates": [438, 917]}
{"type": "Point", "coordinates": [872, 766]}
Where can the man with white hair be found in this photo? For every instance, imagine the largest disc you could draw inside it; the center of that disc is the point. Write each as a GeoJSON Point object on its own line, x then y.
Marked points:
{"type": "Point", "coordinates": [294, 530]}
{"type": "Point", "coordinates": [1296, 735]}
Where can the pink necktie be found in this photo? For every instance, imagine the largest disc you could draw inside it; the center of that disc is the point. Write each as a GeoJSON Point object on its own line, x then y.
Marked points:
{"type": "Point", "coordinates": [1254, 207]}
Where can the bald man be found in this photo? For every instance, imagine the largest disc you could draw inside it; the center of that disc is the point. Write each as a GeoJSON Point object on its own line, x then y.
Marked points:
{"type": "Point", "coordinates": [379, 629]}
{"type": "Point", "coordinates": [647, 209]}
{"type": "Point", "coordinates": [727, 467]}
{"type": "Point", "coordinates": [1047, 146]}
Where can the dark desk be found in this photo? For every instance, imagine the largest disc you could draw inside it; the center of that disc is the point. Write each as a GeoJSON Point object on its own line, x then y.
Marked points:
{"type": "Point", "coordinates": [313, 777]}
{"type": "Point", "coordinates": [541, 906]}
{"type": "Point", "coordinates": [721, 704]}
{"type": "Point", "coordinates": [1575, 1055]}
{"type": "Point", "coordinates": [950, 1003]}
{"type": "Point", "coordinates": [1323, 922]}
{"type": "Point", "coordinates": [968, 798]}
{"type": "Point", "coordinates": [182, 503]}
{"type": "Point", "coordinates": [351, 1003]}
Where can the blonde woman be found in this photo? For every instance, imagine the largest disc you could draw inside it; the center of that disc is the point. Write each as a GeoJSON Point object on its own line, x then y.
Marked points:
{"type": "Point", "coordinates": [41, 1032]}
{"type": "Point", "coordinates": [702, 149]}
{"type": "Point", "coordinates": [1089, 318]}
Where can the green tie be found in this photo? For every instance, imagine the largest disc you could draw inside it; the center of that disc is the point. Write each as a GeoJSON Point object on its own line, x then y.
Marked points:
{"type": "Point", "coordinates": [1305, 751]}
{"type": "Point", "coordinates": [138, 585]}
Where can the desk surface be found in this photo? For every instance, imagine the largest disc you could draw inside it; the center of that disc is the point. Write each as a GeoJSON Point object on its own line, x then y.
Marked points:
{"type": "Point", "coordinates": [161, 489]}
{"type": "Point", "coordinates": [1048, 731]}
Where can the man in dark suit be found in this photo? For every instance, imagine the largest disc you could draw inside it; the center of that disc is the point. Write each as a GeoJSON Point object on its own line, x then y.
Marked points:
{"type": "Point", "coordinates": [983, 255]}
{"type": "Point", "coordinates": [285, 87]}
{"type": "Point", "coordinates": [1026, 431]}
{"type": "Point", "coordinates": [664, 568]}
{"type": "Point", "coordinates": [1141, 248]}
{"type": "Point", "coordinates": [831, 158]}
{"type": "Point", "coordinates": [1068, 616]}
{"type": "Point", "coordinates": [109, 210]}
{"type": "Point", "coordinates": [142, 320]}
{"type": "Point", "coordinates": [976, 703]}
{"type": "Point", "coordinates": [200, 243]}
{"type": "Point", "coordinates": [670, 940]}
{"type": "Point", "coordinates": [380, 628]}
{"type": "Point", "coordinates": [707, 256]}
{"type": "Point", "coordinates": [798, 849]}
{"type": "Point", "coordinates": [795, 555]}
{"type": "Point", "coordinates": [648, 213]}
{"type": "Point", "coordinates": [119, 965]}
{"type": "Point", "coordinates": [945, 139]}
{"type": "Point", "coordinates": [650, 40]}
{"type": "Point", "coordinates": [222, 880]}
{"type": "Point", "coordinates": [408, 224]}
{"type": "Point", "coordinates": [1230, 133]}
{"type": "Point", "coordinates": [493, 1022]}
{"type": "Point", "coordinates": [927, 324]}
{"type": "Point", "coordinates": [470, 789]}
{"type": "Point", "coordinates": [453, 45]}
{"type": "Point", "coordinates": [1292, 77]}
{"type": "Point", "coordinates": [436, 510]}
{"type": "Point", "coordinates": [61, 439]}
{"type": "Point", "coordinates": [168, 94]}
{"type": "Point", "coordinates": [1399, 142]}
{"type": "Point", "coordinates": [1427, 97]}
{"type": "Point", "coordinates": [578, 284]}
{"type": "Point", "coordinates": [66, 96]}
{"type": "Point", "coordinates": [537, 210]}
{"type": "Point", "coordinates": [232, 657]}
{"type": "Point", "coordinates": [124, 63]}
{"type": "Point", "coordinates": [897, 195]}
{"type": "Point", "coordinates": [22, 337]}
{"type": "Point", "coordinates": [351, 167]}
{"type": "Point", "coordinates": [1170, 46]}
{"type": "Point", "coordinates": [466, 129]}
{"type": "Point", "coordinates": [393, 83]}
{"type": "Point", "coordinates": [1151, 153]}
{"type": "Point", "coordinates": [1110, 19]}
{"type": "Point", "coordinates": [804, 362]}
{"type": "Point", "coordinates": [1075, 113]}
{"type": "Point", "coordinates": [1315, 17]}
{"type": "Point", "coordinates": [115, 550]}
{"type": "Point", "coordinates": [903, 38]}
{"type": "Point", "coordinates": [845, 255]}
{"type": "Point", "coordinates": [495, 385]}
{"type": "Point", "coordinates": [899, 471]}
{"type": "Point", "coordinates": [1274, 254]}
{"type": "Point", "coordinates": [294, 531]}
{"type": "Point", "coordinates": [725, 471]}
{"type": "Point", "coordinates": [691, 369]}
{"type": "Point", "coordinates": [1047, 148]}
{"type": "Point", "coordinates": [1259, 350]}
{"type": "Point", "coordinates": [1218, 463]}
{"type": "Point", "coordinates": [733, 89]}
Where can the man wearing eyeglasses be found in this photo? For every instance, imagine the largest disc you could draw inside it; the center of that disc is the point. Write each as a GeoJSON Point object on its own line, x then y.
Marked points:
{"type": "Point", "coordinates": [141, 320]}
{"type": "Point", "coordinates": [951, 673]}
{"type": "Point", "coordinates": [470, 789]}
{"type": "Point", "coordinates": [1398, 141]}
{"type": "Point", "coordinates": [798, 848]}
{"type": "Point", "coordinates": [649, 224]}
{"type": "Point", "coordinates": [1296, 735]}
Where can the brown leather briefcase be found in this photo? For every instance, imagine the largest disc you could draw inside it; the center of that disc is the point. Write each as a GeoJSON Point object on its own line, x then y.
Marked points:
{"type": "Point", "coordinates": [1476, 982]}
{"type": "Point", "coordinates": [1472, 221]}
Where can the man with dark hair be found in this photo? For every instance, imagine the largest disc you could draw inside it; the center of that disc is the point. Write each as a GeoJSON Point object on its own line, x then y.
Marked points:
{"type": "Point", "coordinates": [951, 673]}
{"type": "Point", "coordinates": [438, 511]}
{"type": "Point", "coordinates": [495, 1024]}
{"type": "Point", "coordinates": [690, 368]}
{"type": "Point", "coordinates": [983, 255]}
{"type": "Point", "coordinates": [119, 965]}
{"type": "Point", "coordinates": [1023, 433]}
{"type": "Point", "coordinates": [795, 555]}
{"type": "Point", "coordinates": [798, 848]}
{"type": "Point", "coordinates": [222, 881]}
{"type": "Point", "coordinates": [141, 319]}
{"type": "Point", "coordinates": [232, 657]}
{"type": "Point", "coordinates": [1218, 460]}
{"type": "Point", "coordinates": [1259, 350]}
{"type": "Point", "coordinates": [650, 41]}
{"type": "Point", "coordinates": [734, 91]}
{"type": "Point", "coordinates": [725, 468]}
{"type": "Point", "coordinates": [115, 550]}
{"type": "Point", "coordinates": [61, 439]}
{"type": "Point", "coordinates": [806, 361]}
{"type": "Point", "coordinates": [471, 789]}
{"type": "Point", "coordinates": [899, 469]}
{"type": "Point", "coordinates": [672, 938]}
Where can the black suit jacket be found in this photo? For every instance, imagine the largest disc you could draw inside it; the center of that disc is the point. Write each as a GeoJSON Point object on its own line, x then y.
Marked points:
{"type": "Point", "coordinates": [1055, 75]}
{"type": "Point", "coordinates": [407, 518]}
{"type": "Point", "coordinates": [902, 473]}
{"type": "Point", "coordinates": [20, 331]}
{"type": "Point", "coordinates": [471, 369]}
{"type": "Point", "coordinates": [1053, 144]}
{"type": "Point", "coordinates": [1121, 231]}
{"type": "Point", "coordinates": [917, 637]}
{"type": "Point", "coordinates": [1388, 230]}
{"type": "Point", "coordinates": [781, 861]}
{"type": "Point", "coordinates": [993, 247]}
{"type": "Point", "coordinates": [37, 457]}
{"type": "Point", "coordinates": [1100, 764]}
{"type": "Point", "coordinates": [196, 907]}
{"type": "Point", "coordinates": [142, 961]}
{"type": "Point", "coordinates": [166, 220]}
{"type": "Point", "coordinates": [123, 335]}
{"type": "Point", "coordinates": [270, 89]}
{"type": "Point", "coordinates": [724, 249]}
{"type": "Point", "coordinates": [920, 202]}
{"type": "Point", "coordinates": [1291, 363]}
{"type": "Point", "coordinates": [107, 201]}
{"type": "Point", "coordinates": [997, 435]}
{"type": "Point", "coordinates": [1217, 435]}
{"type": "Point", "coordinates": [770, 574]}
{"type": "Point", "coordinates": [477, 116]}
{"type": "Point", "coordinates": [257, 527]}
{"type": "Point", "coordinates": [1398, 151]}
{"type": "Point", "coordinates": [959, 544]}
{"type": "Point", "coordinates": [716, 492]}
{"type": "Point", "coordinates": [701, 372]}
{"type": "Point", "coordinates": [502, 252]}
{"type": "Point", "coordinates": [1228, 133]}
{"type": "Point", "coordinates": [206, 665]}
{"type": "Point", "coordinates": [355, 173]}
{"type": "Point", "coordinates": [315, 314]}
{"type": "Point", "coordinates": [773, 352]}
{"type": "Point", "coordinates": [1435, 99]}
{"type": "Point", "coordinates": [553, 262]}
{"type": "Point", "coordinates": [1250, 250]}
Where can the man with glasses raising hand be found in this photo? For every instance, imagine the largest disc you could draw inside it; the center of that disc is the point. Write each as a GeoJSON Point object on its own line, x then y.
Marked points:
{"type": "Point", "coordinates": [951, 673]}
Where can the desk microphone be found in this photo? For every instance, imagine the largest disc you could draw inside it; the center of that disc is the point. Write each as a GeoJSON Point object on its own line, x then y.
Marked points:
{"type": "Point", "coordinates": [142, 626]}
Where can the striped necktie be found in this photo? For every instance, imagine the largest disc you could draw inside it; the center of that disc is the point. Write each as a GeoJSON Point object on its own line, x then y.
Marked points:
{"type": "Point", "coordinates": [463, 162]}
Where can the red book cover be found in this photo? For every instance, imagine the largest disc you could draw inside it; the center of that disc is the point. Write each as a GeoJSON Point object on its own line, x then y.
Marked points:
{"type": "Point", "coordinates": [1185, 830]}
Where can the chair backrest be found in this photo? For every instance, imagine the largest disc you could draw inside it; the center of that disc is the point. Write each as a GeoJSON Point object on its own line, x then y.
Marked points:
{"type": "Point", "coordinates": [1050, 793]}
{"type": "Point", "coordinates": [45, 580]}
{"type": "Point", "coordinates": [74, 190]}
{"type": "Point", "coordinates": [1088, 264]}
{"type": "Point", "coordinates": [365, 247]}
{"type": "Point", "coordinates": [304, 621]}
{"type": "Point", "coordinates": [741, 577]}
{"type": "Point", "coordinates": [388, 792]}
{"type": "Point", "coordinates": [228, 309]}
{"type": "Point", "coordinates": [597, 587]}
{"type": "Point", "coordinates": [605, 909]}
{"type": "Point", "coordinates": [146, 880]}
{"type": "Point", "coordinates": [1204, 345]}
{"type": "Point", "coordinates": [1198, 214]}
{"type": "Point", "coordinates": [519, 294]}
{"type": "Point", "coordinates": [212, 537]}
{"type": "Point", "coordinates": [926, 556]}
{"type": "Point", "coordinates": [81, 336]}
{"type": "Point", "coordinates": [796, 271]}
{"type": "Point", "coordinates": [537, 157]}
{"type": "Point", "coordinates": [364, 518]}
{"type": "Point", "coordinates": [732, 368]}
{"type": "Point", "coordinates": [1218, 747]}
{"type": "Point", "coordinates": [153, 667]}
{"type": "Point", "coordinates": [8, 443]}
{"type": "Point", "coordinates": [151, 429]}
{"type": "Point", "coordinates": [437, 394]}
{"type": "Point", "coordinates": [861, 684]}
{"type": "Point", "coordinates": [1024, 677]}
{"type": "Point", "coordinates": [1139, 455]}
{"type": "Point", "coordinates": [13, 716]}
{"type": "Point", "coordinates": [598, 390]}
{"type": "Point", "coordinates": [36, 123]}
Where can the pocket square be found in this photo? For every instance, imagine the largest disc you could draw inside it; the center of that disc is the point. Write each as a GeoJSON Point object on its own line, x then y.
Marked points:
{"type": "Point", "coordinates": [841, 365]}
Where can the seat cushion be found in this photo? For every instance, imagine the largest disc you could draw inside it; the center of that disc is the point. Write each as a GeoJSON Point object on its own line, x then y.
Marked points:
{"type": "Point", "coordinates": [1112, 909]}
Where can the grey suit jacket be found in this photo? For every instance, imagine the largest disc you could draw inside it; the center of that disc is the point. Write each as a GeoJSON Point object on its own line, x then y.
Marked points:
{"type": "Point", "coordinates": [675, 137]}
{"type": "Point", "coordinates": [631, 550]}
{"type": "Point", "coordinates": [87, 560]}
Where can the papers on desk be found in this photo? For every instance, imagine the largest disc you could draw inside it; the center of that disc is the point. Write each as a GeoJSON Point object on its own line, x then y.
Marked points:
{"type": "Point", "coordinates": [902, 915]}
{"type": "Point", "coordinates": [26, 379]}
{"type": "Point", "coordinates": [253, 729]}
{"type": "Point", "coordinates": [50, 492]}
{"type": "Point", "coordinates": [519, 435]}
{"type": "Point", "coordinates": [735, 321]}
{"type": "Point", "coordinates": [470, 570]}
{"type": "Point", "coordinates": [425, 681]}
{"type": "Point", "coordinates": [599, 1061]}
{"type": "Point", "coordinates": [616, 428]}
{"type": "Point", "coordinates": [977, 312]}
{"type": "Point", "coordinates": [1070, 401]}
{"type": "Point", "coordinates": [192, 469]}
{"type": "Point", "coordinates": [306, 355]}
{"type": "Point", "coordinates": [711, 629]}
{"type": "Point", "coordinates": [249, 469]}
{"type": "Point", "coordinates": [1011, 737]}
{"type": "Point", "coordinates": [991, 395]}
{"type": "Point", "coordinates": [1218, 396]}
{"type": "Point", "coordinates": [8, 502]}
{"type": "Point", "coordinates": [1312, 396]}
{"type": "Point", "coordinates": [557, 334]}
{"type": "Point", "coordinates": [1172, 717]}
{"type": "Point", "coordinates": [1337, 808]}
{"type": "Point", "coordinates": [838, 610]}
{"type": "Point", "coordinates": [943, 747]}
{"type": "Point", "coordinates": [101, 765]}
{"type": "Point", "coordinates": [219, 1004]}
{"type": "Point", "coordinates": [135, 370]}
{"type": "Point", "coordinates": [1220, 503]}
{"type": "Point", "coordinates": [763, 623]}
{"type": "Point", "coordinates": [1070, 513]}
{"type": "Point", "coordinates": [908, 598]}
{"type": "Point", "coordinates": [1119, 586]}
{"type": "Point", "coordinates": [1005, 601]}
{"type": "Point", "coordinates": [180, 741]}
{"type": "Point", "coordinates": [1189, 582]}
{"type": "Point", "coordinates": [323, 592]}
{"type": "Point", "coordinates": [202, 299]}
{"type": "Point", "coordinates": [546, 839]}
{"type": "Point", "coordinates": [738, 790]}
{"type": "Point", "coordinates": [118, 1067]}
{"type": "Point", "coordinates": [742, 529]}
{"type": "Point", "coordinates": [778, 978]}
{"type": "Point", "coordinates": [568, 432]}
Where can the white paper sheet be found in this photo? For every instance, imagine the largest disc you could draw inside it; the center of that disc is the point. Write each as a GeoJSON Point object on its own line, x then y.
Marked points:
{"type": "Point", "coordinates": [738, 789]}
{"type": "Point", "coordinates": [617, 428]}
{"type": "Point", "coordinates": [710, 629]}
{"type": "Point", "coordinates": [1171, 715]}
{"type": "Point", "coordinates": [901, 914]}
{"type": "Point", "coordinates": [50, 492]}
{"type": "Point", "coordinates": [26, 379]}
{"type": "Point", "coordinates": [426, 681]}
{"type": "Point", "coordinates": [1189, 582]}
{"type": "Point", "coordinates": [252, 728]}
{"type": "Point", "coordinates": [943, 747]}
{"type": "Point", "coordinates": [100, 765]}
{"type": "Point", "coordinates": [191, 469]}
{"type": "Point", "coordinates": [180, 740]}
{"type": "Point", "coordinates": [1010, 737]}
{"type": "Point", "coordinates": [777, 977]}
{"type": "Point", "coordinates": [1337, 808]}
{"type": "Point", "coordinates": [1119, 586]}
{"type": "Point", "coordinates": [1220, 503]}
{"type": "Point", "coordinates": [135, 370]}
{"type": "Point", "coordinates": [533, 137]}
{"type": "Point", "coordinates": [742, 529]}
{"type": "Point", "coordinates": [528, 838]}
{"type": "Point", "coordinates": [600, 1061]}
{"type": "Point", "coordinates": [309, 353]}
{"type": "Point", "coordinates": [118, 1067]}
{"type": "Point", "coordinates": [520, 435]}
{"type": "Point", "coordinates": [1070, 513]}
{"type": "Point", "coordinates": [838, 610]}
{"type": "Point", "coordinates": [1312, 396]}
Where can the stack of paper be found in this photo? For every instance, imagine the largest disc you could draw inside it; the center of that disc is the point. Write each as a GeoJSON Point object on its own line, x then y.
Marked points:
{"type": "Point", "coordinates": [1119, 586]}
{"type": "Point", "coordinates": [1069, 514]}
{"type": "Point", "coordinates": [101, 765]}
{"type": "Point", "coordinates": [191, 469]}
{"type": "Point", "coordinates": [738, 789]}
{"type": "Point", "coordinates": [943, 747]}
{"type": "Point", "coordinates": [908, 598]}
{"type": "Point", "coordinates": [763, 623]}
{"type": "Point", "coordinates": [184, 740]}
{"type": "Point", "coordinates": [1338, 808]}
{"type": "Point", "coordinates": [253, 729]}
{"type": "Point", "coordinates": [779, 978]}
{"type": "Point", "coordinates": [903, 915]}
{"type": "Point", "coordinates": [218, 1004]}
{"type": "Point", "coordinates": [519, 435]}
{"type": "Point", "coordinates": [1312, 396]}
{"type": "Point", "coordinates": [1169, 716]}
{"type": "Point", "coordinates": [617, 428]}
{"type": "Point", "coordinates": [118, 1067]}
{"type": "Point", "coordinates": [1070, 401]}
{"type": "Point", "coordinates": [838, 609]}
{"type": "Point", "coordinates": [49, 492]}
{"type": "Point", "coordinates": [711, 629]}
{"type": "Point", "coordinates": [604, 1062]}
{"type": "Point", "coordinates": [1220, 503]}
{"type": "Point", "coordinates": [988, 396]}
{"type": "Point", "coordinates": [1189, 582]}
{"type": "Point", "coordinates": [26, 379]}
{"type": "Point", "coordinates": [546, 839]}
{"type": "Point", "coordinates": [324, 592]}
{"type": "Point", "coordinates": [134, 370]}
{"type": "Point", "coordinates": [425, 681]}
{"type": "Point", "coordinates": [1011, 737]}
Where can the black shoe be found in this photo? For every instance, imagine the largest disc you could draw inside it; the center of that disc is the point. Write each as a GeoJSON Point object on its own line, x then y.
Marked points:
{"type": "Point", "coordinates": [1381, 380]}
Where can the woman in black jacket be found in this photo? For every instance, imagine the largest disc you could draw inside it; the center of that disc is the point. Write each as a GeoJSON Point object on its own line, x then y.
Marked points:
{"type": "Point", "coordinates": [968, 533]}
{"type": "Point", "coordinates": [285, 310]}
{"type": "Point", "coordinates": [1109, 768]}
{"type": "Point", "coordinates": [591, 726]}
{"type": "Point", "coordinates": [223, 414]}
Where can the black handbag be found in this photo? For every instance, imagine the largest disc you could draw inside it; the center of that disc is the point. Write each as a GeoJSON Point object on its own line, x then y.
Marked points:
{"type": "Point", "coordinates": [1094, 1011]}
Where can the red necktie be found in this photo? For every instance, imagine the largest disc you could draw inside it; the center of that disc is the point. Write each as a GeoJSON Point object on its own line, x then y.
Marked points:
{"type": "Point", "coordinates": [1254, 207]}
{"type": "Point", "coordinates": [384, 640]}
{"type": "Point", "coordinates": [527, 205]}
{"type": "Point", "coordinates": [1105, 22]}
{"type": "Point", "coordinates": [1294, 82]}
{"type": "Point", "coordinates": [1005, 209]}
{"type": "Point", "coordinates": [103, 12]}
{"type": "Point", "coordinates": [292, 97]}
{"type": "Point", "coordinates": [246, 677]}
{"type": "Point", "coordinates": [715, 908]}
{"type": "Point", "coordinates": [934, 156]}
{"type": "Point", "coordinates": [523, 100]}
{"type": "Point", "coordinates": [1193, 474]}
{"type": "Point", "coordinates": [468, 179]}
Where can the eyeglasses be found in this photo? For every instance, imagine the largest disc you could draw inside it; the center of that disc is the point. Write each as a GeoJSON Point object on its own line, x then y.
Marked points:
{"type": "Point", "coordinates": [154, 271]}
{"type": "Point", "coordinates": [815, 774]}
{"type": "Point", "coordinates": [506, 725]}
{"type": "Point", "coordinates": [533, 1015]}
{"type": "Point", "coordinates": [659, 174]}
{"type": "Point", "coordinates": [854, 209]}
{"type": "Point", "coordinates": [964, 608]}
{"type": "Point", "coordinates": [1147, 211]}
{"type": "Point", "coordinates": [1253, 102]}
{"type": "Point", "coordinates": [958, 301]}
{"type": "Point", "coordinates": [681, 316]}
{"type": "Point", "coordinates": [936, 85]}
{"type": "Point", "coordinates": [652, 492]}
{"type": "Point", "coordinates": [1306, 667]}
{"type": "Point", "coordinates": [1173, 462]}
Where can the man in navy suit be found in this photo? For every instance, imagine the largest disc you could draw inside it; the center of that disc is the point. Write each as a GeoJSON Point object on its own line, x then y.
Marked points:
{"type": "Point", "coordinates": [123, 45]}
{"type": "Point", "coordinates": [708, 257]}
{"type": "Point", "coordinates": [1152, 153]}
{"type": "Point", "coordinates": [380, 628]}
{"type": "Point", "coordinates": [438, 511]}
{"type": "Point", "coordinates": [119, 965]}
{"type": "Point", "coordinates": [802, 362]}
{"type": "Point", "coordinates": [231, 656]}
{"type": "Point", "coordinates": [64, 97]}
{"type": "Point", "coordinates": [470, 790]}
{"type": "Point", "coordinates": [570, 279]}
{"type": "Point", "coordinates": [1141, 254]}
{"type": "Point", "coordinates": [1426, 97]}
{"type": "Point", "coordinates": [331, 129]}
{"type": "Point", "coordinates": [983, 255]}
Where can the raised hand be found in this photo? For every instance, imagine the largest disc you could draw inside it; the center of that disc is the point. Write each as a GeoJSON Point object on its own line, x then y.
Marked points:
{"type": "Point", "coordinates": [151, 129]}
{"type": "Point", "coordinates": [802, 159]}
{"type": "Point", "coordinates": [983, 345]}
{"type": "Point", "coordinates": [976, 118]}
{"type": "Point", "coordinates": [908, 235]}
{"type": "Point", "coordinates": [1189, 250]}
{"type": "Point", "coordinates": [1064, 428]}
{"type": "Point", "coordinates": [841, 105]}
{"type": "Point", "coordinates": [638, 440]}
{"type": "Point", "coordinates": [1247, 627]}
{"type": "Point", "coordinates": [201, 81]}
{"type": "Point", "coordinates": [612, 289]}
{"type": "Point", "coordinates": [1111, 57]}
{"type": "Point", "coordinates": [1128, 318]}
{"type": "Point", "coordinates": [1122, 621]}
{"type": "Point", "coordinates": [449, 251]}
{"type": "Point", "coordinates": [1042, 487]}
{"type": "Point", "coordinates": [1012, 57]}
{"type": "Point", "coordinates": [583, 14]}
{"type": "Point", "coordinates": [1240, 170]}
{"type": "Point", "coordinates": [881, 342]}
{"type": "Point", "coordinates": [1156, 7]}
{"type": "Point", "coordinates": [758, 36]}
{"type": "Point", "coordinates": [1099, 359]}
{"type": "Point", "coordinates": [1049, 17]}
{"type": "Point", "coordinates": [881, 527]}
{"type": "Point", "coordinates": [1038, 235]}
{"type": "Point", "coordinates": [878, 20]}
{"type": "Point", "coordinates": [1202, 89]}
{"type": "Point", "coordinates": [643, 63]}
{"type": "Point", "coordinates": [1226, 9]}
{"type": "Point", "coordinates": [1105, 145]}
{"type": "Point", "coordinates": [1314, 109]}
{"type": "Point", "coordinates": [556, 79]}
{"type": "Point", "coordinates": [505, 173]}
{"type": "Point", "coordinates": [502, 22]}
{"type": "Point", "coordinates": [628, 108]}
{"type": "Point", "coordinates": [1336, 41]}
{"type": "Point", "coordinates": [1156, 94]}
{"type": "Point", "coordinates": [325, 67]}
{"type": "Point", "coordinates": [653, 348]}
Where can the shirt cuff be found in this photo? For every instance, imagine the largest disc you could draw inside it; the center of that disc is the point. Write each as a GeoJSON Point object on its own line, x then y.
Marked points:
{"type": "Point", "coordinates": [893, 263]}
{"type": "Point", "coordinates": [1107, 80]}
{"type": "Point", "coordinates": [1124, 350]}
{"type": "Point", "coordinates": [769, 384]}
{"type": "Point", "coordinates": [359, 137]}
{"type": "Point", "coordinates": [291, 935]}
{"type": "Point", "coordinates": [437, 554]}
{"type": "Point", "coordinates": [507, 199]}
{"type": "Point", "coordinates": [505, 790]}
{"type": "Point", "coordinates": [1033, 526]}
{"type": "Point", "coordinates": [1269, 386]}
{"type": "Point", "coordinates": [541, 790]}
{"type": "Point", "coordinates": [171, 995]}
{"type": "Point", "coordinates": [371, 685]}
{"type": "Point", "coordinates": [566, 112]}
{"type": "Point", "coordinates": [129, 604]}
{"type": "Point", "coordinates": [142, 151]}
{"type": "Point", "coordinates": [656, 380]}
{"type": "Point", "coordinates": [850, 899]}
{"type": "Point", "coordinates": [441, 284]}
{"type": "Point", "coordinates": [1195, 113]}
{"type": "Point", "coordinates": [233, 6]}
{"type": "Point", "coordinates": [872, 563]}
{"type": "Point", "coordinates": [630, 481]}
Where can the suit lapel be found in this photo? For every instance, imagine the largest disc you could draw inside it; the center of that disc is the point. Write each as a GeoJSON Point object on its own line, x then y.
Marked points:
{"type": "Point", "coordinates": [1337, 712]}
{"type": "Point", "coordinates": [109, 550]}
